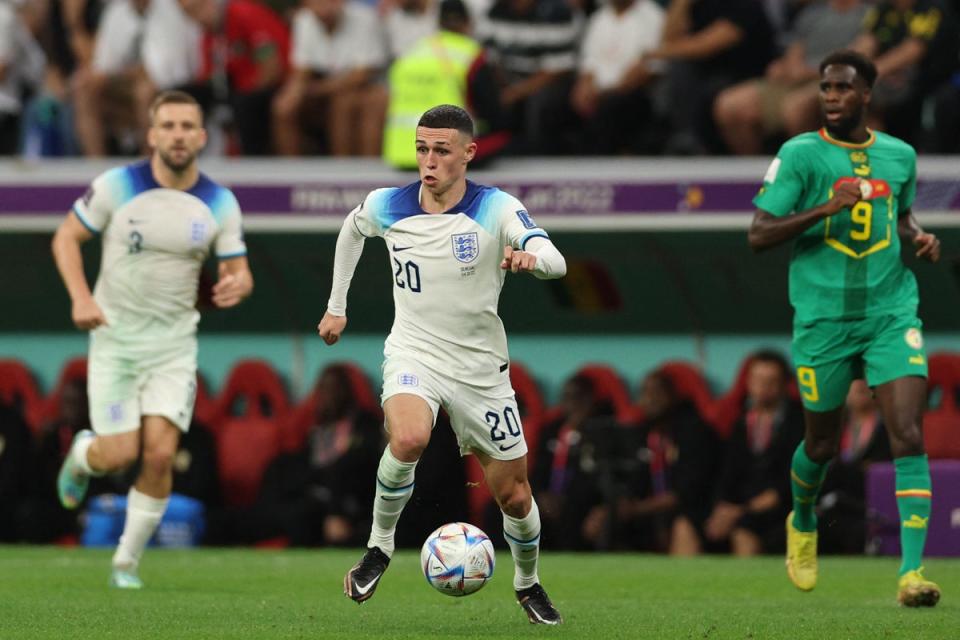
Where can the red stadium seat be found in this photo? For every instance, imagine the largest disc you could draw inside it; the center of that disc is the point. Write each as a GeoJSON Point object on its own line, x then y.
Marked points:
{"type": "Point", "coordinates": [205, 406]}
{"type": "Point", "coordinates": [301, 416]}
{"type": "Point", "coordinates": [941, 425]}
{"type": "Point", "coordinates": [75, 369]}
{"type": "Point", "coordinates": [728, 408]}
{"type": "Point", "coordinates": [259, 386]}
{"type": "Point", "coordinates": [610, 388]}
{"type": "Point", "coordinates": [245, 447]}
{"type": "Point", "coordinates": [690, 384]}
{"type": "Point", "coordinates": [18, 388]}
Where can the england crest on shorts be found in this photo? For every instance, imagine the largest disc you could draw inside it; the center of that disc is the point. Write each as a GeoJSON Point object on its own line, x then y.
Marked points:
{"type": "Point", "coordinates": [466, 246]}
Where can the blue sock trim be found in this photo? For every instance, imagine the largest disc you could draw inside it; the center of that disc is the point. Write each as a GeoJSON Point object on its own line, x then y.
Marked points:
{"type": "Point", "coordinates": [532, 540]}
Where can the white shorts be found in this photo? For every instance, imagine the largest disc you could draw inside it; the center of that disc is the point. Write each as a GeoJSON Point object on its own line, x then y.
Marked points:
{"type": "Point", "coordinates": [125, 384]}
{"type": "Point", "coordinates": [484, 419]}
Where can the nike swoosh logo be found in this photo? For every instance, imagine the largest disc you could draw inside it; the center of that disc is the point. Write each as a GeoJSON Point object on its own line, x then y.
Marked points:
{"type": "Point", "coordinates": [396, 248]}
{"type": "Point", "coordinates": [363, 590]}
{"type": "Point", "coordinates": [503, 448]}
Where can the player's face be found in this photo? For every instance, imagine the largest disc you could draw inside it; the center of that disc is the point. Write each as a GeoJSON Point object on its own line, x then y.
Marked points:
{"type": "Point", "coordinates": [843, 99]}
{"type": "Point", "coordinates": [442, 157]}
{"type": "Point", "coordinates": [177, 135]}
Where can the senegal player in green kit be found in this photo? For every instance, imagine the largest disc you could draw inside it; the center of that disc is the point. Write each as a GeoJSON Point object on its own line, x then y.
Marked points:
{"type": "Point", "coordinates": [843, 194]}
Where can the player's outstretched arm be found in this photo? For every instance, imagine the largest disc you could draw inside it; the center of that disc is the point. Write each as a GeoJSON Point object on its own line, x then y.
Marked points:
{"type": "Point", "coordinates": [85, 312]}
{"type": "Point", "coordinates": [541, 258]}
{"type": "Point", "coordinates": [927, 244]}
{"type": "Point", "coordinates": [234, 282]}
{"type": "Point", "coordinates": [768, 230]}
{"type": "Point", "coordinates": [345, 259]}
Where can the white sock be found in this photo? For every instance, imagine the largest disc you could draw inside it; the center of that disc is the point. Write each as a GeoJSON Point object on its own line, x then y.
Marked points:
{"type": "Point", "coordinates": [394, 488]}
{"type": "Point", "coordinates": [143, 517]}
{"type": "Point", "coordinates": [79, 455]}
{"type": "Point", "coordinates": [523, 536]}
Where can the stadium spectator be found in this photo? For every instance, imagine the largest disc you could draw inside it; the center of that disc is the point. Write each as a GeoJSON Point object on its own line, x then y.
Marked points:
{"type": "Point", "coordinates": [533, 44]}
{"type": "Point", "coordinates": [338, 49]}
{"type": "Point", "coordinates": [446, 68]}
{"type": "Point", "coordinates": [754, 493]}
{"type": "Point", "coordinates": [710, 45]}
{"type": "Point", "coordinates": [310, 496]}
{"type": "Point", "coordinates": [408, 21]}
{"type": "Point", "coordinates": [784, 101]}
{"type": "Point", "coordinates": [564, 501]}
{"type": "Point", "coordinates": [612, 91]}
{"type": "Point", "coordinates": [667, 467]}
{"type": "Point", "coordinates": [43, 520]}
{"type": "Point", "coordinates": [914, 44]}
{"type": "Point", "coordinates": [244, 60]}
{"type": "Point", "coordinates": [21, 68]}
{"type": "Point", "coordinates": [16, 469]}
{"type": "Point", "coordinates": [842, 506]}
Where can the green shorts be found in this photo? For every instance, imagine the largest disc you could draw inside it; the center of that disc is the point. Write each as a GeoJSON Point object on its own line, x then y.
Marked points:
{"type": "Point", "coordinates": [830, 354]}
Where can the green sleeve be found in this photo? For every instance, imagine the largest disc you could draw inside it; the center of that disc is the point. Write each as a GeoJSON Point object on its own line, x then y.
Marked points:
{"type": "Point", "coordinates": [909, 190]}
{"type": "Point", "coordinates": [783, 184]}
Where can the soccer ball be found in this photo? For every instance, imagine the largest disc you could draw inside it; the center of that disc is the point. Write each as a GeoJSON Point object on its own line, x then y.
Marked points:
{"type": "Point", "coordinates": [457, 559]}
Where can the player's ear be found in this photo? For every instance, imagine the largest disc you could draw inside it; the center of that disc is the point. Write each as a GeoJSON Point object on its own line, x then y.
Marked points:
{"type": "Point", "coordinates": [471, 151]}
{"type": "Point", "coordinates": [151, 137]}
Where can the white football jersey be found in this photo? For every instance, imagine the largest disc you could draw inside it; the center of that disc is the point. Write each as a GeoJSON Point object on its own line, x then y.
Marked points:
{"type": "Point", "coordinates": [447, 276]}
{"type": "Point", "coordinates": [155, 241]}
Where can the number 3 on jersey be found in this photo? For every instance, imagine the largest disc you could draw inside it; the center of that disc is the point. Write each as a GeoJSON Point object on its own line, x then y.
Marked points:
{"type": "Point", "coordinates": [407, 275]}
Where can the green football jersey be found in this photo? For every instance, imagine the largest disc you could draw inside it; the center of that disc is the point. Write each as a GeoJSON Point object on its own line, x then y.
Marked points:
{"type": "Point", "coordinates": [846, 266]}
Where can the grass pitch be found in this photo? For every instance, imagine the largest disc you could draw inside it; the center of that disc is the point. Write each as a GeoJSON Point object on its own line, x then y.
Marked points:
{"type": "Point", "coordinates": [61, 593]}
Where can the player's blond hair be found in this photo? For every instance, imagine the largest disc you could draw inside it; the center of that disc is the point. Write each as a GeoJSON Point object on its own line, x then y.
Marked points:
{"type": "Point", "coordinates": [173, 97]}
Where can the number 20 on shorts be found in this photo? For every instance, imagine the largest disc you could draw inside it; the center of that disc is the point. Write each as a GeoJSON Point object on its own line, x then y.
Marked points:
{"type": "Point", "coordinates": [807, 378]}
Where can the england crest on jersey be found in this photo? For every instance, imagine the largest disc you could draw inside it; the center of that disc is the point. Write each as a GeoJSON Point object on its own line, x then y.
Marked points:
{"type": "Point", "coordinates": [466, 246]}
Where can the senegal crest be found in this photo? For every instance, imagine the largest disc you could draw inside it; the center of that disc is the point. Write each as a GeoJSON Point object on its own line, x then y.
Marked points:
{"type": "Point", "coordinates": [466, 246]}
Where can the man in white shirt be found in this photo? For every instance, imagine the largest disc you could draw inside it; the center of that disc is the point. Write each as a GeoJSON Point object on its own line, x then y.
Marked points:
{"type": "Point", "coordinates": [337, 49]}
{"type": "Point", "coordinates": [451, 242]}
{"type": "Point", "coordinates": [158, 220]}
{"type": "Point", "coordinates": [611, 92]}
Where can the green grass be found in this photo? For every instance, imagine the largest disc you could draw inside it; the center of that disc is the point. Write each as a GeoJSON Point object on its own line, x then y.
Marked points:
{"type": "Point", "coordinates": [61, 593]}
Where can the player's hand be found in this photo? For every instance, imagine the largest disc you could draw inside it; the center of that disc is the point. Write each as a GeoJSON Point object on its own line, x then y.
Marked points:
{"type": "Point", "coordinates": [229, 291]}
{"type": "Point", "coordinates": [87, 314]}
{"type": "Point", "coordinates": [846, 195]}
{"type": "Point", "coordinates": [517, 261]}
{"type": "Point", "coordinates": [331, 327]}
{"type": "Point", "coordinates": [928, 246]}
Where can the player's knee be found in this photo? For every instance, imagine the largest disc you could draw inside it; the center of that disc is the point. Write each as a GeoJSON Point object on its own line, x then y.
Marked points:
{"type": "Point", "coordinates": [158, 460]}
{"type": "Point", "coordinates": [408, 446]}
{"type": "Point", "coordinates": [822, 450]}
{"type": "Point", "coordinates": [907, 439]}
{"type": "Point", "coordinates": [514, 500]}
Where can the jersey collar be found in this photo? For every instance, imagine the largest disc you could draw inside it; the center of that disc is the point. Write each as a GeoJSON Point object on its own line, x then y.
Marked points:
{"type": "Point", "coordinates": [848, 145]}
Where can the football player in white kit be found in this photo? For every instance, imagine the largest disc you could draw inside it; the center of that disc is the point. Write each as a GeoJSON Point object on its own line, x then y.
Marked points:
{"type": "Point", "coordinates": [158, 221]}
{"type": "Point", "coordinates": [451, 242]}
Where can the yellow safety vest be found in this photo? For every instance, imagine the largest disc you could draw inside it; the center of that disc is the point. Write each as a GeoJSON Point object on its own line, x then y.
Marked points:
{"type": "Point", "coordinates": [433, 72]}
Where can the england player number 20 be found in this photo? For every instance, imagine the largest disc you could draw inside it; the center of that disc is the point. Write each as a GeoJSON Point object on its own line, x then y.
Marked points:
{"type": "Point", "coordinates": [407, 275]}
{"type": "Point", "coordinates": [510, 421]}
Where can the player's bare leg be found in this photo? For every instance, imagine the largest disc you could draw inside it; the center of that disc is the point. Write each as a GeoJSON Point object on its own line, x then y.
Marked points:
{"type": "Point", "coordinates": [409, 421]}
{"type": "Point", "coordinates": [902, 402]}
{"type": "Point", "coordinates": [821, 443]}
{"type": "Point", "coordinates": [508, 483]}
{"type": "Point", "coordinates": [147, 500]}
{"type": "Point", "coordinates": [91, 455]}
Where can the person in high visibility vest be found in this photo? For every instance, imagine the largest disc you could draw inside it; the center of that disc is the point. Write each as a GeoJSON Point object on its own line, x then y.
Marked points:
{"type": "Point", "coordinates": [448, 67]}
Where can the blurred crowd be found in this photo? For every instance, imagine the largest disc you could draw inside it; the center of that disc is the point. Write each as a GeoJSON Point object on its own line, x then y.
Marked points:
{"type": "Point", "coordinates": [669, 469]}
{"type": "Point", "coordinates": [542, 77]}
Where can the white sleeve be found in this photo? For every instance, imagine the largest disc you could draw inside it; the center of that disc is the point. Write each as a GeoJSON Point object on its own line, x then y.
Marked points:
{"type": "Point", "coordinates": [95, 207]}
{"type": "Point", "coordinates": [118, 38]}
{"type": "Point", "coordinates": [550, 262]}
{"type": "Point", "coordinates": [345, 259]}
{"type": "Point", "coordinates": [301, 47]}
{"type": "Point", "coordinates": [230, 243]}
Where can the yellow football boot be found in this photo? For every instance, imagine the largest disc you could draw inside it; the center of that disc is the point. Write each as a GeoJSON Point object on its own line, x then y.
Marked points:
{"type": "Point", "coordinates": [801, 556]}
{"type": "Point", "coordinates": [917, 591]}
